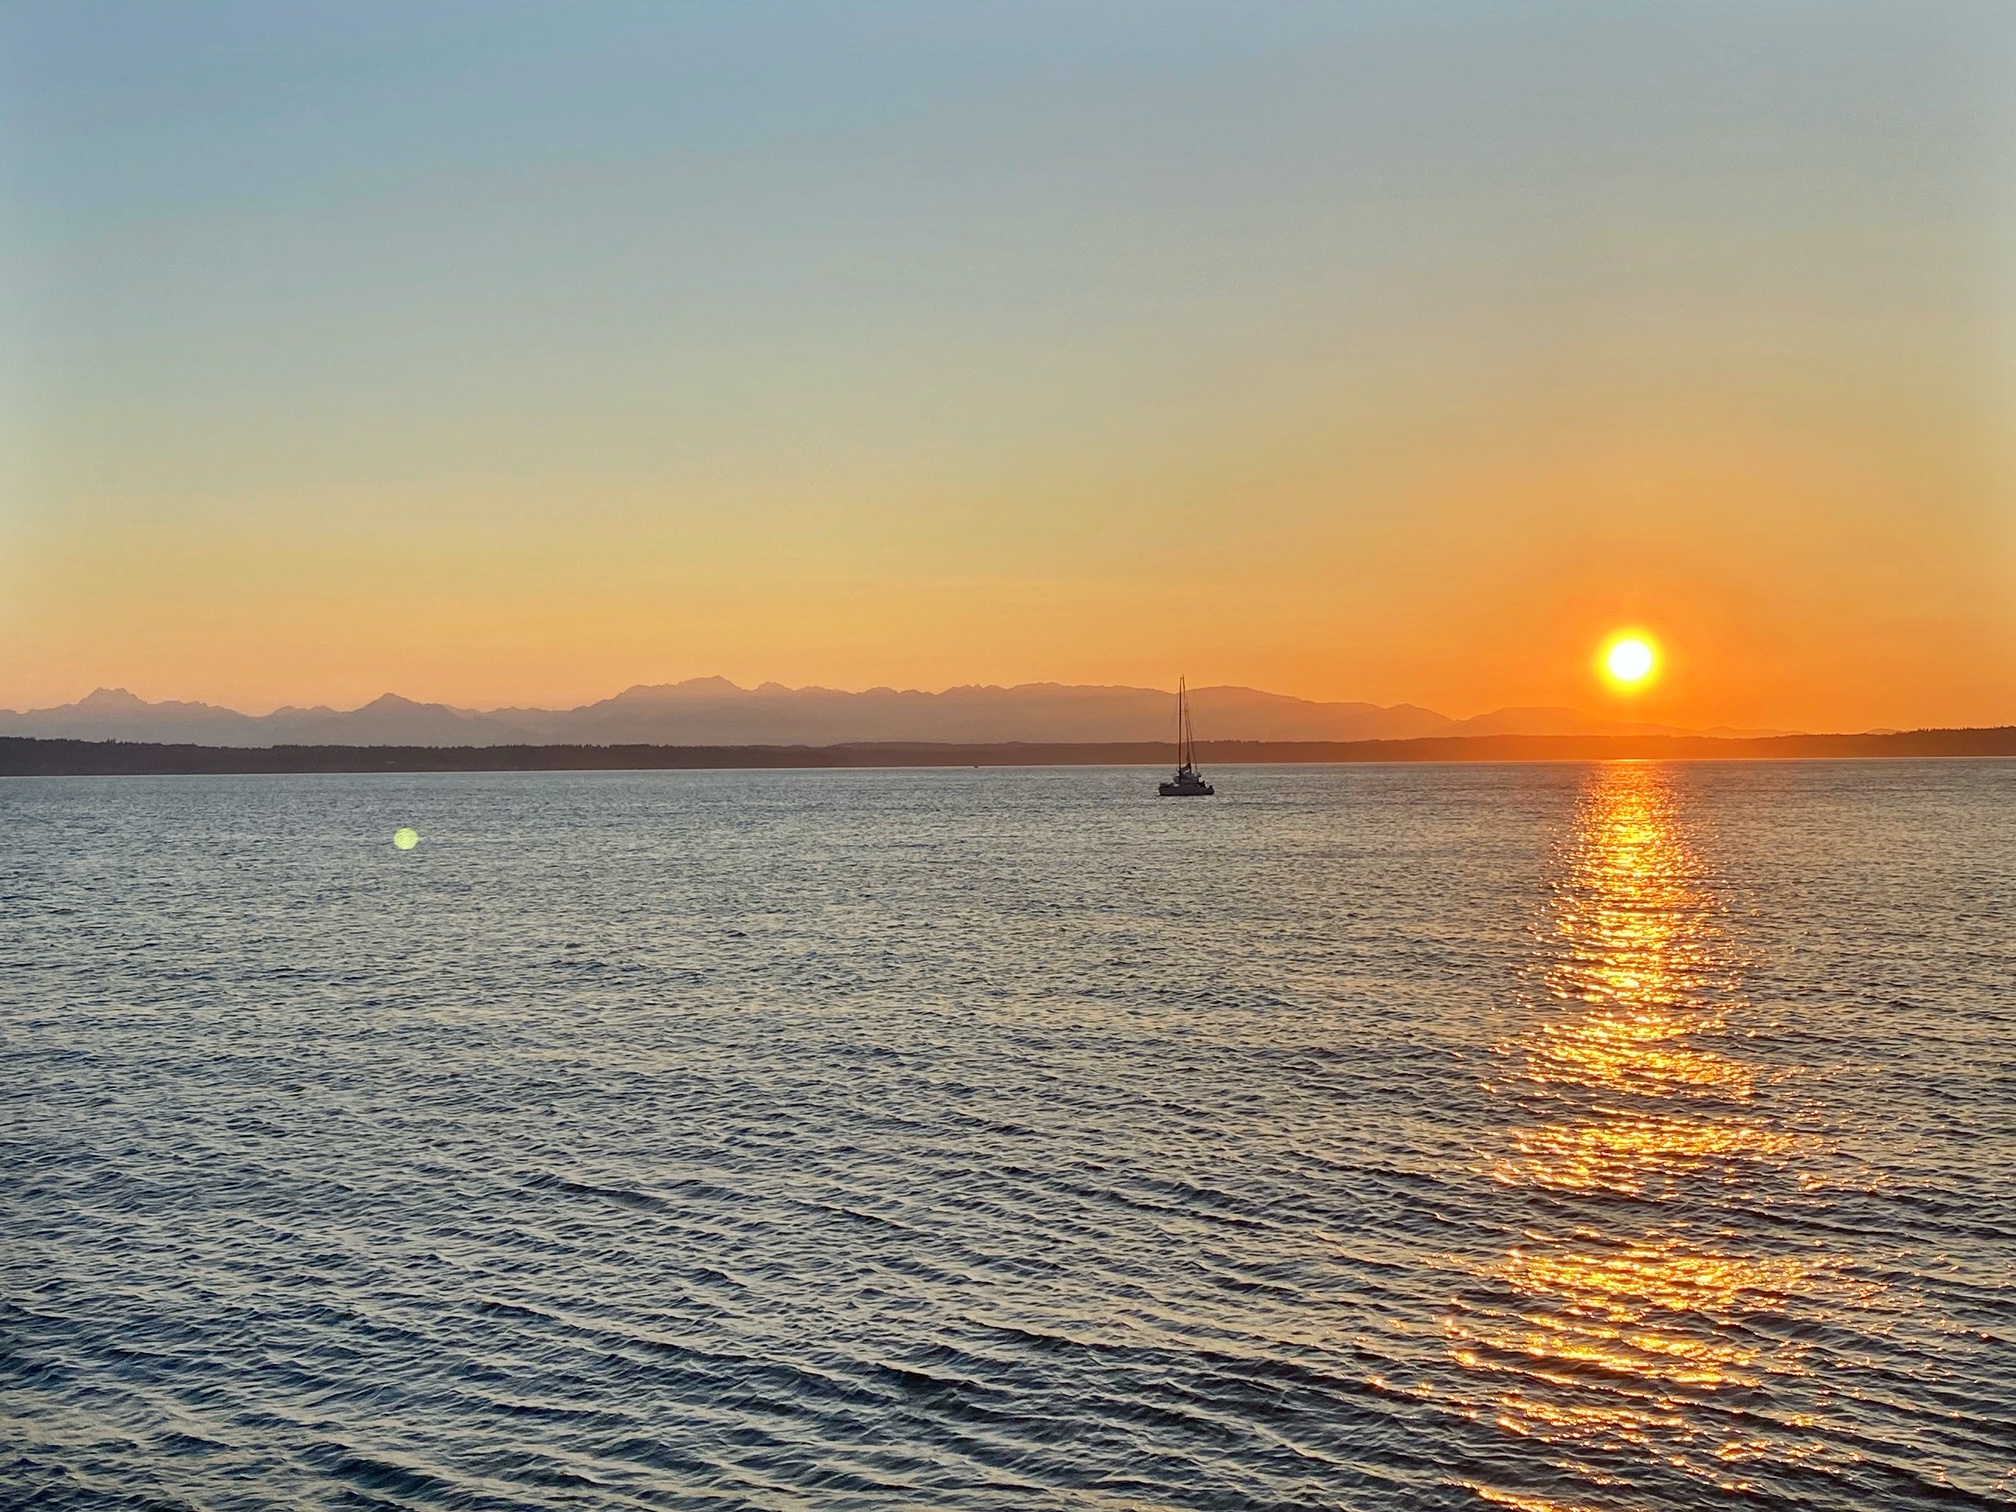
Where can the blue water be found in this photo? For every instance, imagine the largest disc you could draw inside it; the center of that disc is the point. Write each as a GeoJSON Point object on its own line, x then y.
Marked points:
{"type": "Point", "coordinates": [1543, 1137]}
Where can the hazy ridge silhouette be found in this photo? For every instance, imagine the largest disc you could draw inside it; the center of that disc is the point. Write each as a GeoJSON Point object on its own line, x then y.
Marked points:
{"type": "Point", "coordinates": [715, 711]}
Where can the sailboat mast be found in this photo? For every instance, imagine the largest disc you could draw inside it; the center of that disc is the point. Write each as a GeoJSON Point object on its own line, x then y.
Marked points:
{"type": "Point", "coordinates": [1187, 782]}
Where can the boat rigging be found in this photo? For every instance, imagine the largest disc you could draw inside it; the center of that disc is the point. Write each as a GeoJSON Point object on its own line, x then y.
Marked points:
{"type": "Point", "coordinates": [1188, 781]}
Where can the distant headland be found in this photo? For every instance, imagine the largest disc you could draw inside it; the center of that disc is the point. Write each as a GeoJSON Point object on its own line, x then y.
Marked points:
{"type": "Point", "coordinates": [23, 757]}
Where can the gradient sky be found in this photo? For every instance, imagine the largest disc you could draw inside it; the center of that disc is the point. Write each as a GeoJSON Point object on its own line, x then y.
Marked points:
{"type": "Point", "coordinates": [516, 353]}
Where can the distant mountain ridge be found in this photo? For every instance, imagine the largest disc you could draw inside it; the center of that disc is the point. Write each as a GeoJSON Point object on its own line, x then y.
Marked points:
{"type": "Point", "coordinates": [715, 711]}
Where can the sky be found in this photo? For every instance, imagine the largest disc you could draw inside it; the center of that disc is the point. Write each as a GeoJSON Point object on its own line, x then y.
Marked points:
{"type": "Point", "coordinates": [516, 353]}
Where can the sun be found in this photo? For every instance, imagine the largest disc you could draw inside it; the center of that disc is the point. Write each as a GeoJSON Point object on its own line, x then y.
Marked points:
{"type": "Point", "coordinates": [1629, 661]}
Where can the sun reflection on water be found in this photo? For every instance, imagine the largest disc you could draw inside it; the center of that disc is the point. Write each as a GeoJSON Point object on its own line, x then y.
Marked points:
{"type": "Point", "coordinates": [1625, 1323]}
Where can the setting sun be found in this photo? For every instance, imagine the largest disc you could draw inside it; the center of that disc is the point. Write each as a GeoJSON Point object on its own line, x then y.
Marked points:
{"type": "Point", "coordinates": [1629, 662]}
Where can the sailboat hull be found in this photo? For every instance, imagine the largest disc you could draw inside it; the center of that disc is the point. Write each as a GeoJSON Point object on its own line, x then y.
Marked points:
{"type": "Point", "coordinates": [1191, 789]}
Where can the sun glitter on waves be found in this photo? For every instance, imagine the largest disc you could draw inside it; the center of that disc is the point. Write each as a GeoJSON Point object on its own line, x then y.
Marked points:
{"type": "Point", "coordinates": [1627, 1327]}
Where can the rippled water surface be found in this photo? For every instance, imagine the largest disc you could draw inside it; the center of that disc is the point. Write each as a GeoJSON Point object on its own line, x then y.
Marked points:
{"type": "Point", "coordinates": [1558, 1137]}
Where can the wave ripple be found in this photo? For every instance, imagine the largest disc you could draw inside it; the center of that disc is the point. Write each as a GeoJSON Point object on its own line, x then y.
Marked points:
{"type": "Point", "coordinates": [1554, 1138]}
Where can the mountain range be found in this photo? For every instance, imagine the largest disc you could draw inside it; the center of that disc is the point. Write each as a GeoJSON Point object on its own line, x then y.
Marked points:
{"type": "Point", "coordinates": [714, 711]}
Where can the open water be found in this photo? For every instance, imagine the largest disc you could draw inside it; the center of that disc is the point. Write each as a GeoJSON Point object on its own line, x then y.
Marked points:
{"type": "Point", "coordinates": [1538, 1137]}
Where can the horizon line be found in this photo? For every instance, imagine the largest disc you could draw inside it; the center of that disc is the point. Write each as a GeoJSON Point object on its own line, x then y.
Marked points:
{"type": "Point", "coordinates": [30, 756]}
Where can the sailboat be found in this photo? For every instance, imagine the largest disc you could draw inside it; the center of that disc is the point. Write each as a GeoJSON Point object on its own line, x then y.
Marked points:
{"type": "Point", "coordinates": [1188, 781]}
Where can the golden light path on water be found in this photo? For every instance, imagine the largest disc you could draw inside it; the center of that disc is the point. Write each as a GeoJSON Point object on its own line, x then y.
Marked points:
{"type": "Point", "coordinates": [1631, 1329]}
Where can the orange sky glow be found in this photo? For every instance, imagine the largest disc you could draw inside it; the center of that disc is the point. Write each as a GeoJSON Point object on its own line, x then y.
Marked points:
{"type": "Point", "coordinates": [1330, 352]}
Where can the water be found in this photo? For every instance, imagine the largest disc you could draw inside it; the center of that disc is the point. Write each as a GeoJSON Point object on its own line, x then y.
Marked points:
{"type": "Point", "coordinates": [1551, 1137]}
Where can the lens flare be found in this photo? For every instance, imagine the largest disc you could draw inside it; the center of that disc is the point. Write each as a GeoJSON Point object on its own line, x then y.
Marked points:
{"type": "Point", "coordinates": [1629, 661]}
{"type": "Point", "coordinates": [405, 839]}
